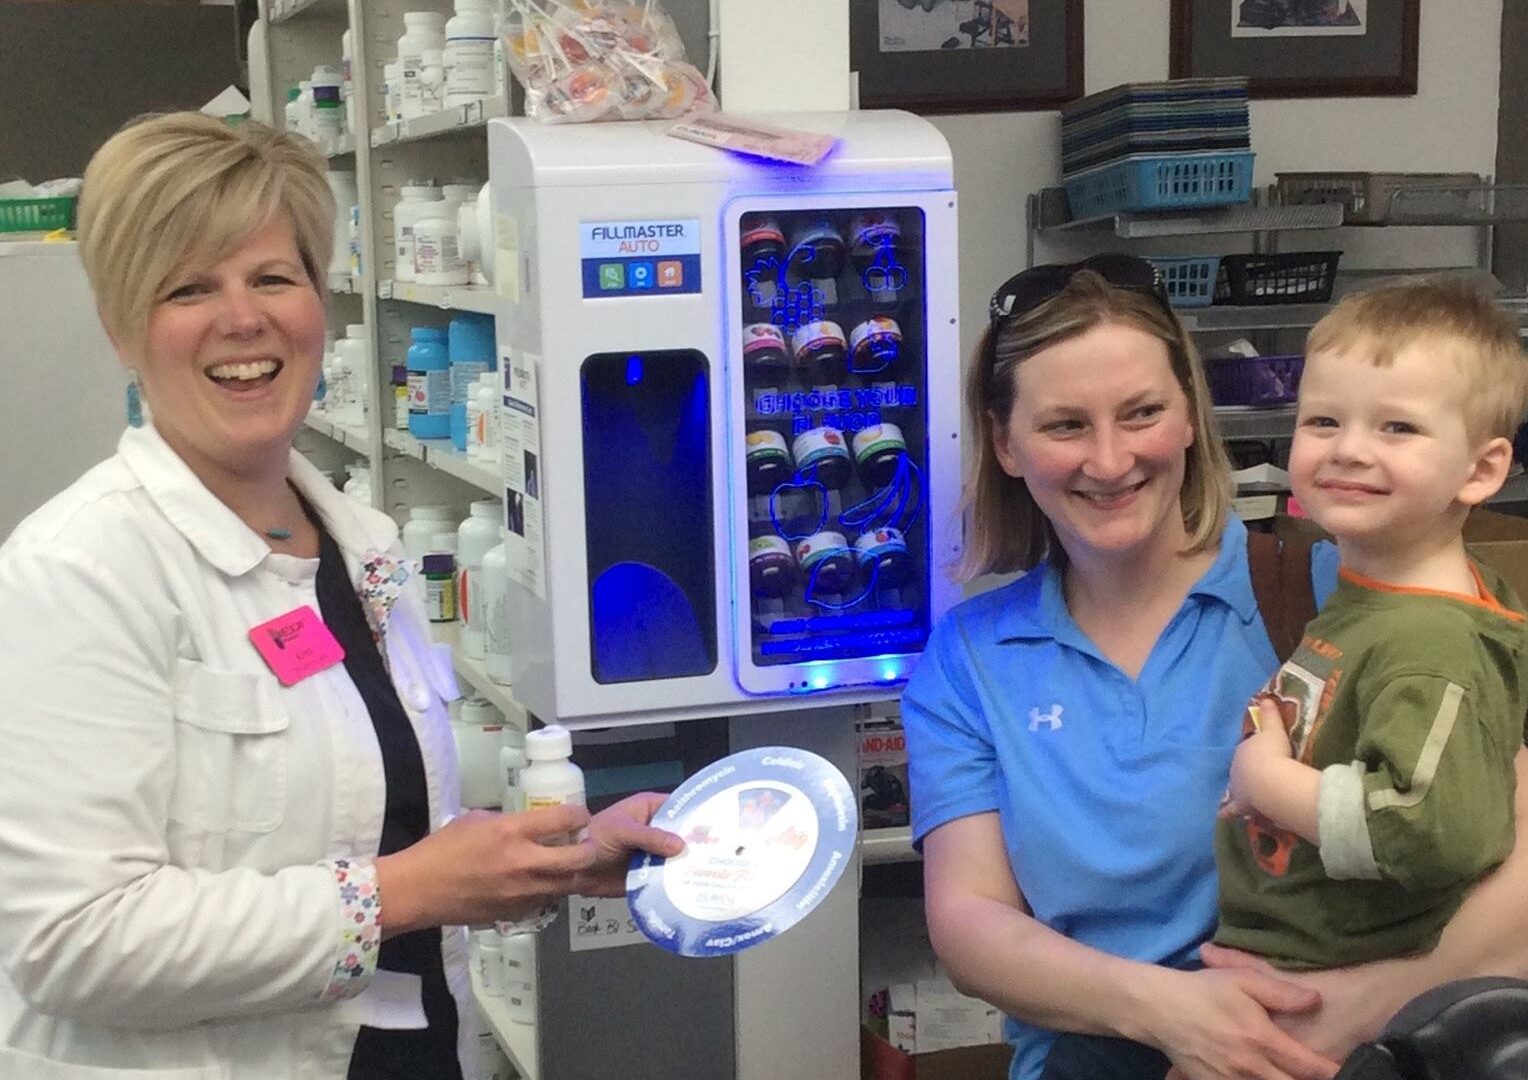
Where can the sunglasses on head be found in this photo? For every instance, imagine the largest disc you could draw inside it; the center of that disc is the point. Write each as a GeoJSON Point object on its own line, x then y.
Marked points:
{"type": "Point", "coordinates": [1028, 289]}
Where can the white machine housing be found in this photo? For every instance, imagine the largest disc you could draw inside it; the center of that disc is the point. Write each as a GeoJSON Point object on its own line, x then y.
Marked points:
{"type": "Point", "coordinates": [549, 182]}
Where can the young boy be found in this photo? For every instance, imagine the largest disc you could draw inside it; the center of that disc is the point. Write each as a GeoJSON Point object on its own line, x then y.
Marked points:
{"type": "Point", "coordinates": [1377, 786]}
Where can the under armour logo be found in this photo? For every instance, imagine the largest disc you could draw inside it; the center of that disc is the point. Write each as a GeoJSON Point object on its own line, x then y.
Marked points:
{"type": "Point", "coordinates": [1053, 718]}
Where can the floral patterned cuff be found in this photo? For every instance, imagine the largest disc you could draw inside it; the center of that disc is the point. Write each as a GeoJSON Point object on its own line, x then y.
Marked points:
{"type": "Point", "coordinates": [360, 927]}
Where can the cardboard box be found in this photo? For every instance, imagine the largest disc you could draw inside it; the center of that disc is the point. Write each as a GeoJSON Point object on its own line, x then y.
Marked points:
{"type": "Point", "coordinates": [879, 1060]}
{"type": "Point", "coordinates": [931, 1029]}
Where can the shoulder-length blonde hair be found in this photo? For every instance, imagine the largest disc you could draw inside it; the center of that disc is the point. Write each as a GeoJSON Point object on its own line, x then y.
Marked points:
{"type": "Point", "coordinates": [1005, 529]}
{"type": "Point", "coordinates": [182, 188]}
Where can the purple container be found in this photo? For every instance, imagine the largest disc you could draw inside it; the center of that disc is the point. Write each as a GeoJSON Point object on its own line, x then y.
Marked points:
{"type": "Point", "coordinates": [1254, 380]}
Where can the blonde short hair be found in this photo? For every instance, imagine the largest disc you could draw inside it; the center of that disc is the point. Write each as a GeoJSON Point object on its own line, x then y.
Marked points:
{"type": "Point", "coordinates": [1455, 320]}
{"type": "Point", "coordinates": [184, 188]}
{"type": "Point", "coordinates": [1005, 529]}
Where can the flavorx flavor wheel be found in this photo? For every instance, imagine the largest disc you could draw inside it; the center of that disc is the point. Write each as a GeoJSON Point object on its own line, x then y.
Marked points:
{"type": "Point", "coordinates": [767, 832]}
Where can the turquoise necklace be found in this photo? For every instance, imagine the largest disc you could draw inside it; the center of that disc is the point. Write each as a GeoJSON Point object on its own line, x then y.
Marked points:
{"type": "Point", "coordinates": [286, 534]}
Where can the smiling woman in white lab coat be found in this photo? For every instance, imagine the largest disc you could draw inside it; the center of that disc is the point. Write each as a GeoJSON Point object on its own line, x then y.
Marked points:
{"type": "Point", "coordinates": [227, 786]}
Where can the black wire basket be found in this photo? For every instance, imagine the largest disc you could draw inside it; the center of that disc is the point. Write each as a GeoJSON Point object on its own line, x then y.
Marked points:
{"type": "Point", "coordinates": [1300, 277]}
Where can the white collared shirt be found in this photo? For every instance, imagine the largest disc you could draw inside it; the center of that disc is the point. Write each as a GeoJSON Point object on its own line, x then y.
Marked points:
{"type": "Point", "coordinates": [166, 806]}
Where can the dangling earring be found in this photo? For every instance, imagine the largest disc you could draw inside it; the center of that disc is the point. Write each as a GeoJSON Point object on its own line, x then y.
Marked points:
{"type": "Point", "coordinates": [134, 399]}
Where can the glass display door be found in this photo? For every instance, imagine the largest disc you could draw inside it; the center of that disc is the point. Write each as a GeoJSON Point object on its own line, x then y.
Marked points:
{"type": "Point", "coordinates": [829, 366]}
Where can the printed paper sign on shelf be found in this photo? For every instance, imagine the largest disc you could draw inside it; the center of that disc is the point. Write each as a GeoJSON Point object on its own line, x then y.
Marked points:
{"type": "Point", "coordinates": [601, 922]}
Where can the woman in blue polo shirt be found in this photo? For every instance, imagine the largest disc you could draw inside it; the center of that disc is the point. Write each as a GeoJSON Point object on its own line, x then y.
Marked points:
{"type": "Point", "coordinates": [1070, 734]}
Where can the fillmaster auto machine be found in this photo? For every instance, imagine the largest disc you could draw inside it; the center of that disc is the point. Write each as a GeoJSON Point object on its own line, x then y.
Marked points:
{"type": "Point", "coordinates": [730, 435]}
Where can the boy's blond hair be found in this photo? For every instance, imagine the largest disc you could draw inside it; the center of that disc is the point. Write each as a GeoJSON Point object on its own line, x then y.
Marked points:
{"type": "Point", "coordinates": [1005, 530]}
{"type": "Point", "coordinates": [184, 188]}
{"type": "Point", "coordinates": [1455, 321]}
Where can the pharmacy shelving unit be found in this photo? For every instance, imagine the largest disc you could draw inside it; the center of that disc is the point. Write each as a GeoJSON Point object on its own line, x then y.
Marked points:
{"type": "Point", "coordinates": [449, 145]}
{"type": "Point", "coordinates": [888, 845]}
{"type": "Point", "coordinates": [442, 297]}
{"type": "Point", "coordinates": [339, 147]}
{"type": "Point", "coordinates": [442, 456]}
{"type": "Point", "coordinates": [406, 472]}
{"type": "Point", "coordinates": [517, 1040]}
{"type": "Point", "coordinates": [474, 674]}
{"type": "Point", "coordinates": [455, 120]}
{"type": "Point", "coordinates": [446, 146]}
{"type": "Point", "coordinates": [299, 35]}
{"type": "Point", "coordinates": [280, 11]}
{"type": "Point", "coordinates": [1047, 220]}
{"type": "Point", "coordinates": [354, 438]}
{"type": "Point", "coordinates": [1481, 205]}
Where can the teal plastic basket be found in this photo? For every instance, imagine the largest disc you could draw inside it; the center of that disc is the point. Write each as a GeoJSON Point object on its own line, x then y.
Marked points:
{"type": "Point", "coordinates": [1190, 280]}
{"type": "Point", "coordinates": [1161, 182]}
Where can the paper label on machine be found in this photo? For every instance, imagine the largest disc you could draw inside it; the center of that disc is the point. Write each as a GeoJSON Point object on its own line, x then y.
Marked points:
{"type": "Point", "coordinates": [520, 455]}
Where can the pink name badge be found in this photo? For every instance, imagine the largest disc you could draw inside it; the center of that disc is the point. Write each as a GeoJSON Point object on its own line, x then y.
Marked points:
{"type": "Point", "coordinates": [296, 645]}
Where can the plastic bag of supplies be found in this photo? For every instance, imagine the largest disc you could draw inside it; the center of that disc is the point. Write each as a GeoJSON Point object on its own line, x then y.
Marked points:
{"type": "Point", "coordinates": [588, 60]}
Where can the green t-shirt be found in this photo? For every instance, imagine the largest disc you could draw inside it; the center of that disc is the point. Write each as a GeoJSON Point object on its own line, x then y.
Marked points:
{"type": "Point", "coordinates": [1411, 703]}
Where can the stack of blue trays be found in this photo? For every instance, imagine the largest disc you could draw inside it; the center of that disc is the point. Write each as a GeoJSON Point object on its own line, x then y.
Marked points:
{"type": "Point", "coordinates": [1181, 116]}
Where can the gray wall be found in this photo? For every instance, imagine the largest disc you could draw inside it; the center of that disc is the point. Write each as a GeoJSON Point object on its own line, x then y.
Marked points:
{"type": "Point", "coordinates": [72, 71]}
{"type": "Point", "coordinates": [1511, 255]}
{"type": "Point", "coordinates": [692, 19]}
{"type": "Point", "coordinates": [65, 401]}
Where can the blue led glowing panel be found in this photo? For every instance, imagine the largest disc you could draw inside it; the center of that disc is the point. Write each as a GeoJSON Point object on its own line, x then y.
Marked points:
{"type": "Point", "coordinates": [835, 370]}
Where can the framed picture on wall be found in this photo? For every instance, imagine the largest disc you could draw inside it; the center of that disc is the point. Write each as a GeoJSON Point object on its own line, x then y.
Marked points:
{"type": "Point", "coordinates": [1300, 48]}
{"type": "Point", "coordinates": [943, 56]}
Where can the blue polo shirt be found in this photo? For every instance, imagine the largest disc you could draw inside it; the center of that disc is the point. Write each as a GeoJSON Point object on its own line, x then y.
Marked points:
{"type": "Point", "coordinates": [1106, 786]}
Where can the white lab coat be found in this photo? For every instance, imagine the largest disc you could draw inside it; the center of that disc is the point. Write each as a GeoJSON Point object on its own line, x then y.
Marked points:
{"type": "Point", "coordinates": [166, 805]}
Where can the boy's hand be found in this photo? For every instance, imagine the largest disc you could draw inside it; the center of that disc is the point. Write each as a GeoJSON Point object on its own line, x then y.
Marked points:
{"type": "Point", "coordinates": [1264, 714]}
{"type": "Point", "coordinates": [1270, 727]}
{"type": "Point", "coordinates": [1270, 742]}
{"type": "Point", "coordinates": [1236, 802]}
